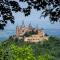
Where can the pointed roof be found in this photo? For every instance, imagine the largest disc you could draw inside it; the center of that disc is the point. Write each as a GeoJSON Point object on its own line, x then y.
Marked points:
{"type": "Point", "coordinates": [37, 27]}
{"type": "Point", "coordinates": [17, 27]}
{"type": "Point", "coordinates": [23, 25]}
{"type": "Point", "coordinates": [30, 26]}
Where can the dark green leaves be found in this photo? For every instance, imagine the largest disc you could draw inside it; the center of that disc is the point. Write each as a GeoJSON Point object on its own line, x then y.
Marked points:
{"type": "Point", "coordinates": [51, 8]}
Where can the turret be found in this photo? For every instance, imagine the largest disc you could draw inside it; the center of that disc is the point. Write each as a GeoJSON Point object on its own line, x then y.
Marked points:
{"type": "Point", "coordinates": [30, 26]}
{"type": "Point", "coordinates": [17, 31]}
{"type": "Point", "coordinates": [23, 25]}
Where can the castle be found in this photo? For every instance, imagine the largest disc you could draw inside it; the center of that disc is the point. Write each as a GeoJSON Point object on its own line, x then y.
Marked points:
{"type": "Point", "coordinates": [30, 34]}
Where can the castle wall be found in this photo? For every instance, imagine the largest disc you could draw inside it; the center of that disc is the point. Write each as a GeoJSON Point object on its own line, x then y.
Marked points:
{"type": "Point", "coordinates": [17, 31]}
{"type": "Point", "coordinates": [40, 36]}
{"type": "Point", "coordinates": [22, 31]}
{"type": "Point", "coordinates": [35, 38]}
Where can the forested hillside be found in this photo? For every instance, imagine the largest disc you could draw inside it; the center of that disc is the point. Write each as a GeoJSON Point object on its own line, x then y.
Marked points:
{"type": "Point", "coordinates": [20, 50]}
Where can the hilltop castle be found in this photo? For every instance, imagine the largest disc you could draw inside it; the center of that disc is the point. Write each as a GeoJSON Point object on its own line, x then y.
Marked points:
{"type": "Point", "coordinates": [30, 34]}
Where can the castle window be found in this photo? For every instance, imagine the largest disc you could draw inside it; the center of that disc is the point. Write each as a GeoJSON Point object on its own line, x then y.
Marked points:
{"type": "Point", "coordinates": [33, 39]}
{"type": "Point", "coordinates": [22, 30]}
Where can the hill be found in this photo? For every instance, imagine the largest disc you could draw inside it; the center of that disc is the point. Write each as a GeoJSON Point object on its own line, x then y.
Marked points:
{"type": "Point", "coordinates": [20, 50]}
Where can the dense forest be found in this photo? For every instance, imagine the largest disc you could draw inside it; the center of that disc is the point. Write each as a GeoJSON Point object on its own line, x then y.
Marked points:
{"type": "Point", "coordinates": [19, 50]}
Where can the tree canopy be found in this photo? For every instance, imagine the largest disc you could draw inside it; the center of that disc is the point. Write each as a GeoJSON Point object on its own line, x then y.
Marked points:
{"type": "Point", "coordinates": [20, 50]}
{"type": "Point", "coordinates": [50, 8]}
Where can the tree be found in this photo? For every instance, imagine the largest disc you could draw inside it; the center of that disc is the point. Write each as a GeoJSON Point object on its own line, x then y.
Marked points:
{"type": "Point", "coordinates": [46, 57]}
{"type": "Point", "coordinates": [21, 53]}
{"type": "Point", "coordinates": [50, 8]}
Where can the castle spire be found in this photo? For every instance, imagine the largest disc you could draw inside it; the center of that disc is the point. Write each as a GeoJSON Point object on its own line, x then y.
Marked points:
{"type": "Point", "coordinates": [30, 26]}
{"type": "Point", "coordinates": [23, 25]}
{"type": "Point", "coordinates": [17, 31]}
{"type": "Point", "coordinates": [37, 27]}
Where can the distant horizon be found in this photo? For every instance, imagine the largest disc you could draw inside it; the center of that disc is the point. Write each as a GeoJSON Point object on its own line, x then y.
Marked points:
{"type": "Point", "coordinates": [33, 18]}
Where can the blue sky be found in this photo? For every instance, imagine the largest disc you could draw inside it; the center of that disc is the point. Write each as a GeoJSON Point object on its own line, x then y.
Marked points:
{"type": "Point", "coordinates": [33, 18]}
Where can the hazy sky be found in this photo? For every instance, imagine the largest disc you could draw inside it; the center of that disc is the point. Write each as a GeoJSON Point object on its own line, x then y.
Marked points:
{"type": "Point", "coordinates": [33, 18]}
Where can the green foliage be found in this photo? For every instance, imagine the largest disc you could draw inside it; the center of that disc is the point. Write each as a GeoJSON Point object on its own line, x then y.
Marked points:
{"type": "Point", "coordinates": [45, 57]}
{"type": "Point", "coordinates": [19, 50]}
{"type": "Point", "coordinates": [49, 8]}
{"type": "Point", "coordinates": [21, 53]}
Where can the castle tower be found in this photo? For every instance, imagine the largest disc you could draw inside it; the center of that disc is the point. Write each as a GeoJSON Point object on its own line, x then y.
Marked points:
{"type": "Point", "coordinates": [37, 27]}
{"type": "Point", "coordinates": [17, 31]}
{"type": "Point", "coordinates": [23, 25]}
{"type": "Point", "coordinates": [30, 26]}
